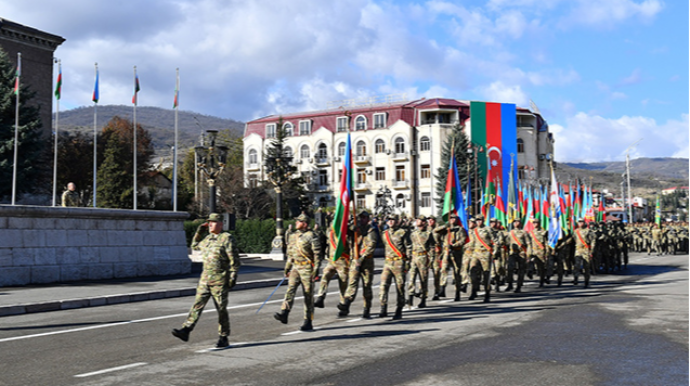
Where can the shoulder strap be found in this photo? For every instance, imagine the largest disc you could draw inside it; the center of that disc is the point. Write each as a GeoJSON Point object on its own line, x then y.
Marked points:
{"type": "Point", "coordinates": [392, 245]}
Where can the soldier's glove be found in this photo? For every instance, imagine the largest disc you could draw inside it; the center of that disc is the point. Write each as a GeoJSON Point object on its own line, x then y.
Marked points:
{"type": "Point", "coordinates": [232, 280]}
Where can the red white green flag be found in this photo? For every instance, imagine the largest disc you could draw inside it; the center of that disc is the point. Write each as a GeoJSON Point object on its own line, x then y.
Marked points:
{"type": "Point", "coordinates": [58, 84]}
{"type": "Point", "coordinates": [342, 206]}
{"type": "Point", "coordinates": [17, 75]}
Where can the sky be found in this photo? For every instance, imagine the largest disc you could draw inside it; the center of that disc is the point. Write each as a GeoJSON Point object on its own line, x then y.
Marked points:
{"type": "Point", "coordinates": [603, 73]}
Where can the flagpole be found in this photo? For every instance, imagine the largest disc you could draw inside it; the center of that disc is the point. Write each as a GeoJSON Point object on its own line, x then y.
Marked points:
{"type": "Point", "coordinates": [16, 128]}
{"type": "Point", "coordinates": [95, 134]}
{"type": "Point", "coordinates": [134, 135]}
{"type": "Point", "coordinates": [177, 91]}
{"type": "Point", "coordinates": [57, 116]}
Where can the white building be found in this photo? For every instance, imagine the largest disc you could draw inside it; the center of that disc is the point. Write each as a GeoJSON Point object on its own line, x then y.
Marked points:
{"type": "Point", "coordinates": [395, 146]}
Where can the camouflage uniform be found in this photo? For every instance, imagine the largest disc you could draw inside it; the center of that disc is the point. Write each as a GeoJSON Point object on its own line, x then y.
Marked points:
{"type": "Point", "coordinates": [520, 244]}
{"type": "Point", "coordinates": [539, 253]}
{"type": "Point", "coordinates": [500, 239]}
{"type": "Point", "coordinates": [71, 198]}
{"type": "Point", "coordinates": [221, 261]}
{"type": "Point", "coordinates": [303, 248]}
{"type": "Point", "coordinates": [437, 268]}
{"type": "Point", "coordinates": [340, 267]}
{"type": "Point", "coordinates": [656, 240]}
{"type": "Point", "coordinates": [562, 255]}
{"type": "Point", "coordinates": [362, 266]}
{"type": "Point", "coordinates": [396, 244]}
{"type": "Point", "coordinates": [422, 245]}
{"type": "Point", "coordinates": [585, 242]}
{"type": "Point", "coordinates": [481, 247]}
{"type": "Point", "coordinates": [454, 239]}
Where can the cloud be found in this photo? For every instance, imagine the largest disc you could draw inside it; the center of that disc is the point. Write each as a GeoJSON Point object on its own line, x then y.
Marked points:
{"type": "Point", "coordinates": [606, 14]}
{"type": "Point", "coordinates": [588, 138]}
{"type": "Point", "coordinates": [634, 78]}
{"type": "Point", "coordinates": [499, 92]}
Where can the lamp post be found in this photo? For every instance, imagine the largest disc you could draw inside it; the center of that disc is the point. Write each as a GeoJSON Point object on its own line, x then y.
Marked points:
{"type": "Point", "coordinates": [211, 160]}
{"type": "Point", "coordinates": [471, 150]}
{"type": "Point", "coordinates": [383, 197]}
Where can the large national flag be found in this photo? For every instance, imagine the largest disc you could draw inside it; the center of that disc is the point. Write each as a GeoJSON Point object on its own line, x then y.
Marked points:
{"type": "Point", "coordinates": [58, 84]}
{"type": "Point", "coordinates": [453, 200]}
{"type": "Point", "coordinates": [136, 88]}
{"type": "Point", "coordinates": [555, 229]}
{"type": "Point", "coordinates": [17, 75]}
{"type": "Point", "coordinates": [342, 205]}
{"type": "Point", "coordinates": [95, 89]}
{"type": "Point", "coordinates": [494, 128]}
{"type": "Point", "coordinates": [657, 212]}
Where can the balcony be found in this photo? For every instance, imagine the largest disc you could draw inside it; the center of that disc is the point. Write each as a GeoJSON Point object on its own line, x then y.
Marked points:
{"type": "Point", "coordinates": [253, 166]}
{"type": "Point", "coordinates": [318, 187]}
{"type": "Point", "coordinates": [400, 184]}
{"type": "Point", "coordinates": [361, 186]}
{"type": "Point", "coordinates": [322, 161]}
{"type": "Point", "coordinates": [401, 156]}
{"type": "Point", "coordinates": [362, 159]}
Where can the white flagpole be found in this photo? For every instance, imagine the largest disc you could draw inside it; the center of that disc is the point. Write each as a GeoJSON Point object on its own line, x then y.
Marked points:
{"type": "Point", "coordinates": [55, 150]}
{"type": "Point", "coordinates": [95, 133]}
{"type": "Point", "coordinates": [16, 128]}
{"type": "Point", "coordinates": [135, 100]}
{"type": "Point", "coordinates": [177, 101]}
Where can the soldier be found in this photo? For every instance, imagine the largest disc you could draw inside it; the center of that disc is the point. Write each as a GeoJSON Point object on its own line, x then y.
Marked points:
{"type": "Point", "coordinates": [520, 244]}
{"type": "Point", "coordinates": [340, 267]}
{"type": "Point", "coordinates": [500, 238]}
{"type": "Point", "coordinates": [439, 271]}
{"type": "Point", "coordinates": [454, 240]}
{"type": "Point", "coordinates": [656, 240]}
{"type": "Point", "coordinates": [585, 241]}
{"type": "Point", "coordinates": [562, 254]}
{"type": "Point", "coordinates": [481, 249]}
{"type": "Point", "coordinates": [362, 266]}
{"type": "Point", "coordinates": [397, 246]}
{"type": "Point", "coordinates": [539, 251]}
{"type": "Point", "coordinates": [302, 266]}
{"type": "Point", "coordinates": [70, 197]}
{"type": "Point", "coordinates": [221, 261]}
{"type": "Point", "coordinates": [422, 245]}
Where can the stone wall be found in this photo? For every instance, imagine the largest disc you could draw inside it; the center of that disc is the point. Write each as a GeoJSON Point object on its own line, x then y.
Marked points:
{"type": "Point", "coordinates": [48, 245]}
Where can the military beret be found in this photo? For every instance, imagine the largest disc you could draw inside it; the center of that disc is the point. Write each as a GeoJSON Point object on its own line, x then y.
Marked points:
{"type": "Point", "coordinates": [453, 215]}
{"type": "Point", "coordinates": [215, 217]}
{"type": "Point", "coordinates": [302, 217]}
{"type": "Point", "coordinates": [478, 217]}
{"type": "Point", "coordinates": [364, 213]}
{"type": "Point", "coordinates": [421, 217]}
{"type": "Point", "coordinates": [493, 219]}
{"type": "Point", "coordinates": [431, 218]}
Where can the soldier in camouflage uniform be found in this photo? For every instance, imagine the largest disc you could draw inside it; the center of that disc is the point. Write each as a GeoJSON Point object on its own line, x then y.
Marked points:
{"type": "Point", "coordinates": [562, 254]}
{"type": "Point", "coordinates": [539, 252]}
{"type": "Point", "coordinates": [301, 268]}
{"type": "Point", "coordinates": [70, 197]}
{"type": "Point", "coordinates": [439, 271]}
{"type": "Point", "coordinates": [520, 244]}
{"type": "Point", "coordinates": [341, 267]}
{"type": "Point", "coordinates": [221, 261]}
{"type": "Point", "coordinates": [481, 250]}
{"type": "Point", "coordinates": [362, 265]}
{"type": "Point", "coordinates": [500, 238]}
{"type": "Point", "coordinates": [396, 244]}
{"type": "Point", "coordinates": [585, 242]}
{"type": "Point", "coordinates": [454, 240]}
{"type": "Point", "coordinates": [657, 236]}
{"type": "Point", "coordinates": [422, 245]}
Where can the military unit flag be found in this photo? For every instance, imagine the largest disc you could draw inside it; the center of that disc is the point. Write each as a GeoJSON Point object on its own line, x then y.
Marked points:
{"type": "Point", "coordinates": [341, 216]}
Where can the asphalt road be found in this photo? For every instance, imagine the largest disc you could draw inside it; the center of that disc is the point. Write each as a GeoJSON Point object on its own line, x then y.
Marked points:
{"type": "Point", "coordinates": [628, 329]}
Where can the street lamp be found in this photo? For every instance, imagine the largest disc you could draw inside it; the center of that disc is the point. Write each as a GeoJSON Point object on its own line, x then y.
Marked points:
{"type": "Point", "coordinates": [383, 197]}
{"type": "Point", "coordinates": [211, 160]}
{"type": "Point", "coordinates": [471, 150]}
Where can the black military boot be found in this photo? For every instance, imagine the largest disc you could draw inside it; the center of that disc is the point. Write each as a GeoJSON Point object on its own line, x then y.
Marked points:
{"type": "Point", "coordinates": [366, 314]}
{"type": "Point", "coordinates": [509, 287]}
{"type": "Point", "coordinates": [345, 306]}
{"type": "Point", "coordinates": [435, 297]}
{"type": "Point", "coordinates": [282, 316]}
{"type": "Point", "coordinates": [517, 290]}
{"type": "Point", "coordinates": [422, 304]}
{"type": "Point", "coordinates": [586, 283]}
{"type": "Point", "coordinates": [384, 312]}
{"type": "Point", "coordinates": [306, 326]}
{"type": "Point", "coordinates": [463, 288]}
{"type": "Point", "coordinates": [222, 342]}
{"type": "Point", "coordinates": [473, 295]}
{"type": "Point", "coordinates": [410, 301]}
{"type": "Point", "coordinates": [457, 294]}
{"type": "Point", "coordinates": [442, 292]}
{"type": "Point", "coordinates": [318, 302]}
{"type": "Point", "coordinates": [182, 333]}
{"type": "Point", "coordinates": [398, 313]}
{"type": "Point", "coordinates": [343, 313]}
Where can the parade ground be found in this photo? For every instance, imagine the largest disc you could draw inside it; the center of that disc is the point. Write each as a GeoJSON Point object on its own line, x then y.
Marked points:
{"type": "Point", "coordinates": [628, 328]}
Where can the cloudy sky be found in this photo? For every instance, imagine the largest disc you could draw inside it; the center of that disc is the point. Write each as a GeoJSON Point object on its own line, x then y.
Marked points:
{"type": "Point", "coordinates": [604, 73]}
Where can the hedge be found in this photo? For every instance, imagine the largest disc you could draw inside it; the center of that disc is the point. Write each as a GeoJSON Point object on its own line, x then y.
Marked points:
{"type": "Point", "coordinates": [253, 236]}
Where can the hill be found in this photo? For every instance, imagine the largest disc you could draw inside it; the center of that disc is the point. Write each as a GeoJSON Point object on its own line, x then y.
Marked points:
{"type": "Point", "coordinates": [666, 167]}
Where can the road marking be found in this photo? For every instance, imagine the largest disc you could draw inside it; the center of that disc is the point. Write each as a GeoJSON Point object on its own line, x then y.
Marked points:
{"type": "Point", "coordinates": [291, 333]}
{"type": "Point", "coordinates": [111, 369]}
{"type": "Point", "coordinates": [353, 320]}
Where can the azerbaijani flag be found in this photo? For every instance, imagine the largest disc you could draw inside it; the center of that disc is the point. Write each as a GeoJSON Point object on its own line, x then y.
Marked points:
{"type": "Point", "coordinates": [601, 211]}
{"type": "Point", "coordinates": [500, 208]}
{"type": "Point", "coordinates": [657, 212]}
{"type": "Point", "coordinates": [494, 129]}
{"type": "Point", "coordinates": [513, 211]}
{"type": "Point", "coordinates": [453, 200]}
{"type": "Point", "coordinates": [554, 210]}
{"type": "Point", "coordinates": [177, 96]}
{"type": "Point", "coordinates": [95, 88]}
{"type": "Point", "coordinates": [58, 85]}
{"type": "Point", "coordinates": [342, 206]}
{"type": "Point", "coordinates": [17, 74]}
{"type": "Point", "coordinates": [136, 87]}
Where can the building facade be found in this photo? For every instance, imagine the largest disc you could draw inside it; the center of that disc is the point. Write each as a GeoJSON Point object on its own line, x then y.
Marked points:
{"type": "Point", "coordinates": [396, 147]}
{"type": "Point", "coordinates": [37, 48]}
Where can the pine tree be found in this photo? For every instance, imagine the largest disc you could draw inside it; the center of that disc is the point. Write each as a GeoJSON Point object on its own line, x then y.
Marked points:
{"type": "Point", "coordinates": [115, 185]}
{"type": "Point", "coordinates": [31, 150]}
{"type": "Point", "coordinates": [458, 141]}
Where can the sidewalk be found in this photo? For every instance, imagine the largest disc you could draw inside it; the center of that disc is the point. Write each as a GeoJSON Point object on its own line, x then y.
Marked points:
{"type": "Point", "coordinates": [254, 273]}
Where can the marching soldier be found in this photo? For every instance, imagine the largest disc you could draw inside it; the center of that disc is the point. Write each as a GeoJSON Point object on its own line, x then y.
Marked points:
{"type": "Point", "coordinates": [70, 197]}
{"type": "Point", "coordinates": [362, 265]}
{"type": "Point", "coordinates": [500, 238]}
{"type": "Point", "coordinates": [481, 249]}
{"type": "Point", "coordinates": [454, 240]}
{"type": "Point", "coordinates": [585, 241]}
{"type": "Point", "coordinates": [439, 271]}
{"type": "Point", "coordinates": [301, 268]}
{"type": "Point", "coordinates": [562, 254]}
{"type": "Point", "coordinates": [422, 245]}
{"type": "Point", "coordinates": [221, 261]}
{"type": "Point", "coordinates": [340, 267]}
{"type": "Point", "coordinates": [396, 244]}
{"type": "Point", "coordinates": [539, 251]}
{"type": "Point", "coordinates": [520, 244]}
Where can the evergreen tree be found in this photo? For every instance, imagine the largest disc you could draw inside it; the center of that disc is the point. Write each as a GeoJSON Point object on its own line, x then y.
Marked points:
{"type": "Point", "coordinates": [282, 173]}
{"type": "Point", "coordinates": [30, 148]}
{"type": "Point", "coordinates": [75, 162]}
{"type": "Point", "coordinates": [455, 140]}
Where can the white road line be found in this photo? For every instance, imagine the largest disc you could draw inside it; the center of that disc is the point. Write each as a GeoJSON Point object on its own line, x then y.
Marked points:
{"type": "Point", "coordinates": [111, 370]}
{"type": "Point", "coordinates": [293, 333]}
{"type": "Point", "coordinates": [353, 320]}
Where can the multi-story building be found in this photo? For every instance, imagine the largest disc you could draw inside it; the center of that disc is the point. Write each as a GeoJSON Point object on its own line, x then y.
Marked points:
{"type": "Point", "coordinates": [396, 146]}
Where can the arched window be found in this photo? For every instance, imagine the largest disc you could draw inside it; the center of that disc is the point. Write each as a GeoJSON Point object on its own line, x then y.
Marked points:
{"type": "Point", "coordinates": [361, 123]}
{"type": "Point", "coordinates": [400, 201]}
{"type": "Point", "coordinates": [288, 127]}
{"type": "Point", "coordinates": [253, 157]}
{"type": "Point", "coordinates": [361, 148]}
{"type": "Point", "coordinates": [304, 151]}
{"type": "Point", "coordinates": [424, 144]}
{"type": "Point", "coordinates": [322, 151]}
{"type": "Point", "coordinates": [341, 149]}
{"type": "Point", "coordinates": [520, 145]}
{"type": "Point", "coordinates": [399, 145]}
{"type": "Point", "coordinates": [287, 151]}
{"type": "Point", "coordinates": [380, 146]}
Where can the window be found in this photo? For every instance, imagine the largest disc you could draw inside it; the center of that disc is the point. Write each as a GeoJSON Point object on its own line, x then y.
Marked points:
{"type": "Point", "coordinates": [271, 130]}
{"type": "Point", "coordinates": [340, 175]}
{"type": "Point", "coordinates": [341, 124]}
{"type": "Point", "coordinates": [426, 200]}
{"type": "Point", "coordinates": [361, 201]}
{"type": "Point", "coordinates": [400, 173]}
{"type": "Point", "coordinates": [253, 180]}
{"type": "Point", "coordinates": [323, 177]}
{"type": "Point", "coordinates": [323, 202]}
{"type": "Point", "coordinates": [341, 149]}
{"type": "Point", "coordinates": [361, 176]}
{"type": "Point", "coordinates": [400, 200]}
{"type": "Point", "coordinates": [426, 172]}
{"type": "Point", "coordinates": [399, 145]}
{"type": "Point", "coordinates": [424, 144]}
{"type": "Point", "coordinates": [520, 145]}
{"type": "Point", "coordinates": [287, 152]}
{"type": "Point", "coordinates": [253, 157]}
{"type": "Point", "coordinates": [521, 174]}
{"type": "Point", "coordinates": [380, 174]}
{"type": "Point", "coordinates": [361, 123]}
{"type": "Point", "coordinates": [361, 148]}
{"type": "Point", "coordinates": [304, 151]}
{"type": "Point", "coordinates": [379, 120]}
{"type": "Point", "coordinates": [322, 151]}
{"type": "Point", "coordinates": [304, 127]}
{"type": "Point", "coordinates": [380, 146]}
{"type": "Point", "coordinates": [288, 127]}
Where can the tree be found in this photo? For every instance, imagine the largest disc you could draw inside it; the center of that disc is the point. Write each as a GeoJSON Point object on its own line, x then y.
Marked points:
{"type": "Point", "coordinates": [31, 149]}
{"type": "Point", "coordinates": [458, 142]}
{"type": "Point", "coordinates": [75, 162]}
